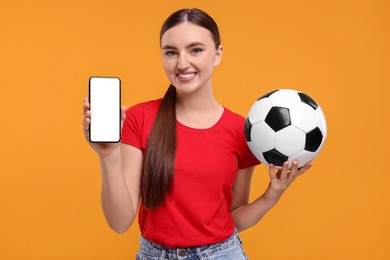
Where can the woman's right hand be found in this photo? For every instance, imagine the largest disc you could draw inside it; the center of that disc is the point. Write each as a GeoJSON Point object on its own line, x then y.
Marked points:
{"type": "Point", "coordinates": [102, 149]}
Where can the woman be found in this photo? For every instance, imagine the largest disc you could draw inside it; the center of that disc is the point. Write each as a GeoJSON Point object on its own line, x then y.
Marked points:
{"type": "Point", "coordinates": [183, 161]}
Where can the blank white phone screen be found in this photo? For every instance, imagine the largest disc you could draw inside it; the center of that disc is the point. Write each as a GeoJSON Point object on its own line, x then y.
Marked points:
{"type": "Point", "coordinates": [104, 98]}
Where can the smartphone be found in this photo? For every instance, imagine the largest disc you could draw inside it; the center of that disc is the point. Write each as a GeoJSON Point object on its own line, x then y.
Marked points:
{"type": "Point", "coordinates": [105, 106]}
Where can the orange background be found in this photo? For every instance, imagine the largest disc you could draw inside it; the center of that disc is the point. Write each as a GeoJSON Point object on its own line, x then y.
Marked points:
{"type": "Point", "coordinates": [335, 51]}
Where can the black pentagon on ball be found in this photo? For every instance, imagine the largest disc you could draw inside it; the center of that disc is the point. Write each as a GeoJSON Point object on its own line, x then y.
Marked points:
{"type": "Point", "coordinates": [308, 100]}
{"type": "Point", "coordinates": [278, 118]}
{"type": "Point", "coordinates": [275, 157]}
{"type": "Point", "coordinates": [313, 140]}
{"type": "Point", "coordinates": [248, 129]}
{"type": "Point", "coordinates": [267, 95]}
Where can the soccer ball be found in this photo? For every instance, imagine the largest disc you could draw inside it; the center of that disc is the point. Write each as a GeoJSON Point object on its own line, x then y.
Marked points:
{"type": "Point", "coordinates": [285, 125]}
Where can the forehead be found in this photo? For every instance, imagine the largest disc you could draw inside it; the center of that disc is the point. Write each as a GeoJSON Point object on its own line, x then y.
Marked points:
{"type": "Point", "coordinates": [186, 33]}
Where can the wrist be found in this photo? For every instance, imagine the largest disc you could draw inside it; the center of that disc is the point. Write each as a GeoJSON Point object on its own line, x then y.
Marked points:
{"type": "Point", "coordinates": [113, 155]}
{"type": "Point", "coordinates": [272, 197]}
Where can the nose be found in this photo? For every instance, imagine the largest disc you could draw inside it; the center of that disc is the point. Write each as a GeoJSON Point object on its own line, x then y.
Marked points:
{"type": "Point", "coordinates": [183, 62]}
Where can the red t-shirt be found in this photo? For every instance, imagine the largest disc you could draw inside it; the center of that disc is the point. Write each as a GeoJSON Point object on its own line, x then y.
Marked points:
{"type": "Point", "coordinates": [206, 165]}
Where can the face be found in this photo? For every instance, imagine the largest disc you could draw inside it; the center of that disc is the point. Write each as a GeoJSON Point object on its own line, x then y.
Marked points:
{"type": "Point", "coordinates": [189, 57]}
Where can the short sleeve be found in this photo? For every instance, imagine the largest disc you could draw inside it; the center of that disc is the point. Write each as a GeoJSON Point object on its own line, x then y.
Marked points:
{"type": "Point", "coordinates": [247, 159]}
{"type": "Point", "coordinates": [138, 122]}
{"type": "Point", "coordinates": [132, 127]}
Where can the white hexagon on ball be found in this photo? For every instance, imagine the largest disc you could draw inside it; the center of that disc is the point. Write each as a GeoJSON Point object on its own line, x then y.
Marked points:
{"type": "Point", "coordinates": [290, 141]}
{"type": "Point", "coordinates": [259, 110]}
{"type": "Point", "coordinates": [285, 98]}
{"type": "Point", "coordinates": [303, 117]}
{"type": "Point", "coordinates": [264, 137]}
{"type": "Point", "coordinates": [303, 158]}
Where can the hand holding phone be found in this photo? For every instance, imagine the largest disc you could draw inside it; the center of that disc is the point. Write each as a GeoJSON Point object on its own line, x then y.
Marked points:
{"type": "Point", "coordinates": [105, 109]}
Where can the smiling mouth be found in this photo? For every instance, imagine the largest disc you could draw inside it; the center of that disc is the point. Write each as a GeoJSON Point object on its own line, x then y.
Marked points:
{"type": "Point", "coordinates": [186, 75]}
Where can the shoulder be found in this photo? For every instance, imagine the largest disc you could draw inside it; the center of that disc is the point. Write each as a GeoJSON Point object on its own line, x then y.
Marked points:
{"type": "Point", "coordinates": [149, 108]}
{"type": "Point", "coordinates": [138, 122]}
{"type": "Point", "coordinates": [147, 105]}
{"type": "Point", "coordinates": [234, 118]}
{"type": "Point", "coordinates": [142, 112]}
{"type": "Point", "coordinates": [233, 123]}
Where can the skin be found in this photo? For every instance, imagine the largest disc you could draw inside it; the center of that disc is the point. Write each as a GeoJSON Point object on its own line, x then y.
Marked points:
{"type": "Point", "coordinates": [189, 56]}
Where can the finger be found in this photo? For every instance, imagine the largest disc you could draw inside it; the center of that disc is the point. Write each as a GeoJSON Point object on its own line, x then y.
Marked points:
{"type": "Point", "coordinates": [123, 113]}
{"type": "Point", "coordinates": [86, 105]}
{"type": "Point", "coordinates": [271, 171]}
{"type": "Point", "coordinates": [284, 173]}
{"type": "Point", "coordinates": [86, 124]}
{"type": "Point", "coordinates": [87, 114]}
{"type": "Point", "coordinates": [293, 171]}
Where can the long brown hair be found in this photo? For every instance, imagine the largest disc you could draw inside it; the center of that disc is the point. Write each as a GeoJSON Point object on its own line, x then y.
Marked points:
{"type": "Point", "coordinates": [159, 162]}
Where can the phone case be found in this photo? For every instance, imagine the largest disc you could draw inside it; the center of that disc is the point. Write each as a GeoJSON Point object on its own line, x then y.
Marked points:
{"type": "Point", "coordinates": [105, 106]}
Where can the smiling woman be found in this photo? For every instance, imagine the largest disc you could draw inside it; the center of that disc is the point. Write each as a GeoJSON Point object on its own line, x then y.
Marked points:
{"type": "Point", "coordinates": [181, 151]}
{"type": "Point", "coordinates": [336, 51]}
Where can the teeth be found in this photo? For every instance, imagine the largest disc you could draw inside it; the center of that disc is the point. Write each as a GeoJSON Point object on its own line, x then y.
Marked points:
{"type": "Point", "coordinates": [186, 76]}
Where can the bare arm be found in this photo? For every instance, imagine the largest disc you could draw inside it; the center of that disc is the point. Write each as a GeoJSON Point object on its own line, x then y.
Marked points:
{"type": "Point", "coordinates": [121, 166]}
{"type": "Point", "coordinates": [121, 171]}
{"type": "Point", "coordinates": [245, 214]}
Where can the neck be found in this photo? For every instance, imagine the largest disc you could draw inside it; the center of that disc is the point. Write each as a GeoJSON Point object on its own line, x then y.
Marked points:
{"type": "Point", "coordinates": [199, 109]}
{"type": "Point", "coordinates": [201, 101]}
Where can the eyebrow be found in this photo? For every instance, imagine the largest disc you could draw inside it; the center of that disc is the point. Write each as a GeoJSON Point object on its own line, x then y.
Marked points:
{"type": "Point", "coordinates": [187, 47]}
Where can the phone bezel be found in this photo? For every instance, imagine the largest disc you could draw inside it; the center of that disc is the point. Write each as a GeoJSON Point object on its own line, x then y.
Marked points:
{"type": "Point", "coordinates": [120, 98]}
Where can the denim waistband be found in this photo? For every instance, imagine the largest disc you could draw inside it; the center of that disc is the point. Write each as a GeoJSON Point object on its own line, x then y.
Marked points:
{"type": "Point", "coordinates": [157, 250]}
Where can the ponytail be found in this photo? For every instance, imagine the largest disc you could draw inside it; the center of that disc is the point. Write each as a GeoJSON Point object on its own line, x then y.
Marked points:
{"type": "Point", "coordinates": [159, 163]}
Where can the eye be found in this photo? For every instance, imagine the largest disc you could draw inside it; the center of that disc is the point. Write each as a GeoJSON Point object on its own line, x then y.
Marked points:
{"type": "Point", "coordinates": [170, 53]}
{"type": "Point", "coordinates": [197, 50]}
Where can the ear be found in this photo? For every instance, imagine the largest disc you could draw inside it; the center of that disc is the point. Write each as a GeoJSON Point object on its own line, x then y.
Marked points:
{"type": "Point", "coordinates": [218, 57]}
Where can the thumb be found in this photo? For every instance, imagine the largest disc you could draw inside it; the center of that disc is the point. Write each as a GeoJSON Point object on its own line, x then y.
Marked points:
{"type": "Point", "coordinates": [123, 114]}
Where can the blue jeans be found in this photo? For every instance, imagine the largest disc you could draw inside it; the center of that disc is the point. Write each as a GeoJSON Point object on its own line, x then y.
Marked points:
{"type": "Point", "coordinates": [230, 249]}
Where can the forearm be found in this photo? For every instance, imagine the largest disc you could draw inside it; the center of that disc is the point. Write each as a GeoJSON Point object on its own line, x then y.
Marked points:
{"type": "Point", "coordinates": [117, 205]}
{"type": "Point", "coordinates": [248, 215]}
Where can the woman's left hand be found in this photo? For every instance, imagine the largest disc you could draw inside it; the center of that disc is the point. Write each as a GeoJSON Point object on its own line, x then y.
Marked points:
{"type": "Point", "coordinates": [283, 178]}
